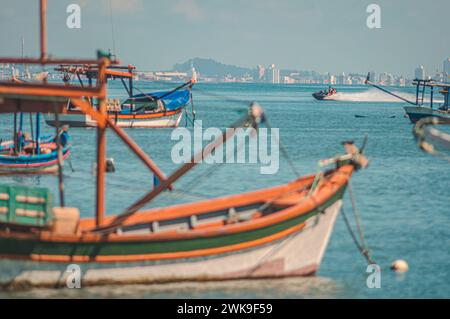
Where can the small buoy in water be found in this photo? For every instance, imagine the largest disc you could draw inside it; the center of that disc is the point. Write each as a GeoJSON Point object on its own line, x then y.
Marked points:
{"type": "Point", "coordinates": [399, 266]}
{"type": "Point", "coordinates": [110, 166]}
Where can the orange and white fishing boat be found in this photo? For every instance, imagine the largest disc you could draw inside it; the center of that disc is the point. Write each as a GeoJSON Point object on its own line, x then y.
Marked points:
{"type": "Point", "coordinates": [274, 232]}
{"type": "Point", "coordinates": [161, 109]}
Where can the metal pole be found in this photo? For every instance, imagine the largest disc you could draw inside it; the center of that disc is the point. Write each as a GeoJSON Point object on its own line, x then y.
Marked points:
{"type": "Point", "coordinates": [15, 133]}
{"type": "Point", "coordinates": [38, 133]}
{"type": "Point", "coordinates": [417, 93]}
{"type": "Point", "coordinates": [60, 162]}
{"type": "Point", "coordinates": [130, 84]}
{"type": "Point", "coordinates": [423, 93]}
{"type": "Point", "coordinates": [20, 122]}
{"type": "Point", "coordinates": [431, 96]}
{"type": "Point", "coordinates": [43, 25]}
{"type": "Point", "coordinates": [388, 92]}
{"type": "Point", "coordinates": [446, 93]}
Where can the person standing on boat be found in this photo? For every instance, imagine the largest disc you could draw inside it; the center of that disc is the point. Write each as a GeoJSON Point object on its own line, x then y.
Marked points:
{"type": "Point", "coordinates": [21, 141]}
{"type": "Point", "coordinates": [64, 137]}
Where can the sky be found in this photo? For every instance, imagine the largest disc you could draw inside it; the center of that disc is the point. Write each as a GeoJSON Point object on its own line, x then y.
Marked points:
{"type": "Point", "coordinates": [321, 35]}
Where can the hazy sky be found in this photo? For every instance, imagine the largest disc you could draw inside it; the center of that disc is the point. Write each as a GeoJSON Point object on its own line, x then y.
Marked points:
{"type": "Point", "coordinates": [321, 35]}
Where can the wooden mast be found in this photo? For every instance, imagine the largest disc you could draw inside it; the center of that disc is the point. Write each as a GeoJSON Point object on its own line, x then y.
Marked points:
{"type": "Point", "coordinates": [101, 151]}
{"type": "Point", "coordinates": [55, 91]}
{"type": "Point", "coordinates": [43, 22]}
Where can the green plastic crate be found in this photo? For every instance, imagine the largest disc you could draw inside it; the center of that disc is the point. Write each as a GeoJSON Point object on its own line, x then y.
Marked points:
{"type": "Point", "coordinates": [24, 205]}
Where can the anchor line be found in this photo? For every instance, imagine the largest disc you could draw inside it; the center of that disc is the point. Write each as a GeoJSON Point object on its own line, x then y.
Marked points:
{"type": "Point", "coordinates": [360, 244]}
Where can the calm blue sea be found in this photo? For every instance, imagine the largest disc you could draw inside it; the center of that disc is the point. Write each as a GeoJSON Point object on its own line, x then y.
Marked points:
{"type": "Point", "coordinates": [403, 196]}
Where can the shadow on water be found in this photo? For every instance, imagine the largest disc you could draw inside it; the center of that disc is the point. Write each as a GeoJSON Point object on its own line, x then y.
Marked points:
{"type": "Point", "coordinates": [309, 287]}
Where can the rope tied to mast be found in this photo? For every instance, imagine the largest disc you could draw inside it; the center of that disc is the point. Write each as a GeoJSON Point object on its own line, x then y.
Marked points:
{"type": "Point", "coordinates": [361, 243]}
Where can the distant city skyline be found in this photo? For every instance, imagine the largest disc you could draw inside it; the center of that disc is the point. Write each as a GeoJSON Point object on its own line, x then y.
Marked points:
{"type": "Point", "coordinates": [209, 70]}
{"type": "Point", "coordinates": [322, 35]}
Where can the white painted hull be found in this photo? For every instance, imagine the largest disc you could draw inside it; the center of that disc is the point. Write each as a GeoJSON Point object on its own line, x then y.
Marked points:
{"type": "Point", "coordinates": [83, 120]}
{"type": "Point", "coordinates": [299, 254]}
{"type": "Point", "coordinates": [167, 121]}
{"type": "Point", "coordinates": [73, 120]}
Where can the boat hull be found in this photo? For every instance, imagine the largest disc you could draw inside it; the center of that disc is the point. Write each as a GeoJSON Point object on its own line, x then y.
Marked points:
{"type": "Point", "coordinates": [415, 113]}
{"type": "Point", "coordinates": [22, 165]}
{"type": "Point", "coordinates": [318, 96]}
{"type": "Point", "coordinates": [297, 251]}
{"type": "Point", "coordinates": [322, 97]}
{"type": "Point", "coordinates": [78, 119]}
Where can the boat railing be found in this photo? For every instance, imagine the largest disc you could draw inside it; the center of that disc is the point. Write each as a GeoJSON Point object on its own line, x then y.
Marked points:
{"type": "Point", "coordinates": [421, 85]}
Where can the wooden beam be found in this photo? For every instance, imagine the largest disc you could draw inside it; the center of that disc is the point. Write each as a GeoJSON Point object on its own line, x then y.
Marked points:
{"type": "Point", "coordinates": [119, 74]}
{"type": "Point", "coordinates": [54, 61]}
{"type": "Point", "coordinates": [103, 120]}
{"type": "Point", "coordinates": [12, 105]}
{"type": "Point", "coordinates": [101, 166]}
{"type": "Point", "coordinates": [43, 29]}
{"type": "Point", "coordinates": [254, 117]}
{"type": "Point", "coordinates": [138, 151]}
{"type": "Point", "coordinates": [87, 108]}
{"type": "Point", "coordinates": [49, 90]}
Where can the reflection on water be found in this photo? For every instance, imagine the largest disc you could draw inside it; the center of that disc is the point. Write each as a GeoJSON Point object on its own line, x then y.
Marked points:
{"type": "Point", "coordinates": [297, 287]}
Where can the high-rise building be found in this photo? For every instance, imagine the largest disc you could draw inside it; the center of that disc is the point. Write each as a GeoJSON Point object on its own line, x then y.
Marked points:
{"type": "Point", "coordinates": [446, 70]}
{"type": "Point", "coordinates": [340, 79]}
{"type": "Point", "coordinates": [273, 74]}
{"type": "Point", "coordinates": [331, 79]}
{"type": "Point", "coordinates": [372, 76]}
{"type": "Point", "coordinates": [419, 73]}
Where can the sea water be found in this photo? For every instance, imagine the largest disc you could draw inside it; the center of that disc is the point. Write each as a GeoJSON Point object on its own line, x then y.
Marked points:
{"type": "Point", "coordinates": [402, 197]}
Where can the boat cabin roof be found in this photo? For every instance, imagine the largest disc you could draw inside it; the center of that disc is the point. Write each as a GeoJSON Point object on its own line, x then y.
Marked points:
{"type": "Point", "coordinates": [91, 71]}
{"type": "Point", "coordinates": [431, 83]}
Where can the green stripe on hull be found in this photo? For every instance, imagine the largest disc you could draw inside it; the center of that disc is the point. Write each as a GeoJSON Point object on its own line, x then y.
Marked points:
{"type": "Point", "coordinates": [28, 247]}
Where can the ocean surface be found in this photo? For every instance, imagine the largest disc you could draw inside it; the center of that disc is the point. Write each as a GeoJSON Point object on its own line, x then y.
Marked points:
{"type": "Point", "coordinates": [403, 196]}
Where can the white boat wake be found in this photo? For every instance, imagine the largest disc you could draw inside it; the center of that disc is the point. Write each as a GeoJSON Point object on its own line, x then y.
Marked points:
{"type": "Point", "coordinates": [374, 95]}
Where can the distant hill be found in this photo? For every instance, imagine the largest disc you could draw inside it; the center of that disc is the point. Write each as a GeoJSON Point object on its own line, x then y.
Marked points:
{"type": "Point", "coordinates": [210, 67]}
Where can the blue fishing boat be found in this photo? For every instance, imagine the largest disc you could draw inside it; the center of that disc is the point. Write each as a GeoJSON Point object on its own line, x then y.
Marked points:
{"type": "Point", "coordinates": [418, 109]}
{"type": "Point", "coordinates": [27, 154]}
{"type": "Point", "coordinates": [160, 109]}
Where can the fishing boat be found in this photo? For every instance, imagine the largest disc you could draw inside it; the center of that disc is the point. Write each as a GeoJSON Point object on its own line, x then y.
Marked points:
{"type": "Point", "coordinates": [274, 232]}
{"type": "Point", "coordinates": [27, 155]}
{"type": "Point", "coordinates": [325, 94]}
{"type": "Point", "coordinates": [432, 140]}
{"type": "Point", "coordinates": [162, 109]}
{"type": "Point", "coordinates": [418, 110]}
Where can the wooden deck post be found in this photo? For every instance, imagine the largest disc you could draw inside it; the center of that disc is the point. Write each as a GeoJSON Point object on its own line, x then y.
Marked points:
{"type": "Point", "coordinates": [101, 167]}
{"type": "Point", "coordinates": [43, 25]}
{"type": "Point", "coordinates": [101, 147]}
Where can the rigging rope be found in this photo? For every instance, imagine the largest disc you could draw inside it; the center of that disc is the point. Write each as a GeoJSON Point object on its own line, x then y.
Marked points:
{"type": "Point", "coordinates": [284, 152]}
{"type": "Point", "coordinates": [194, 182]}
{"type": "Point", "coordinates": [361, 244]}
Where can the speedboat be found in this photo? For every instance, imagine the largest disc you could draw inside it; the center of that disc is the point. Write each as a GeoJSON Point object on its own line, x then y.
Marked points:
{"type": "Point", "coordinates": [324, 94]}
